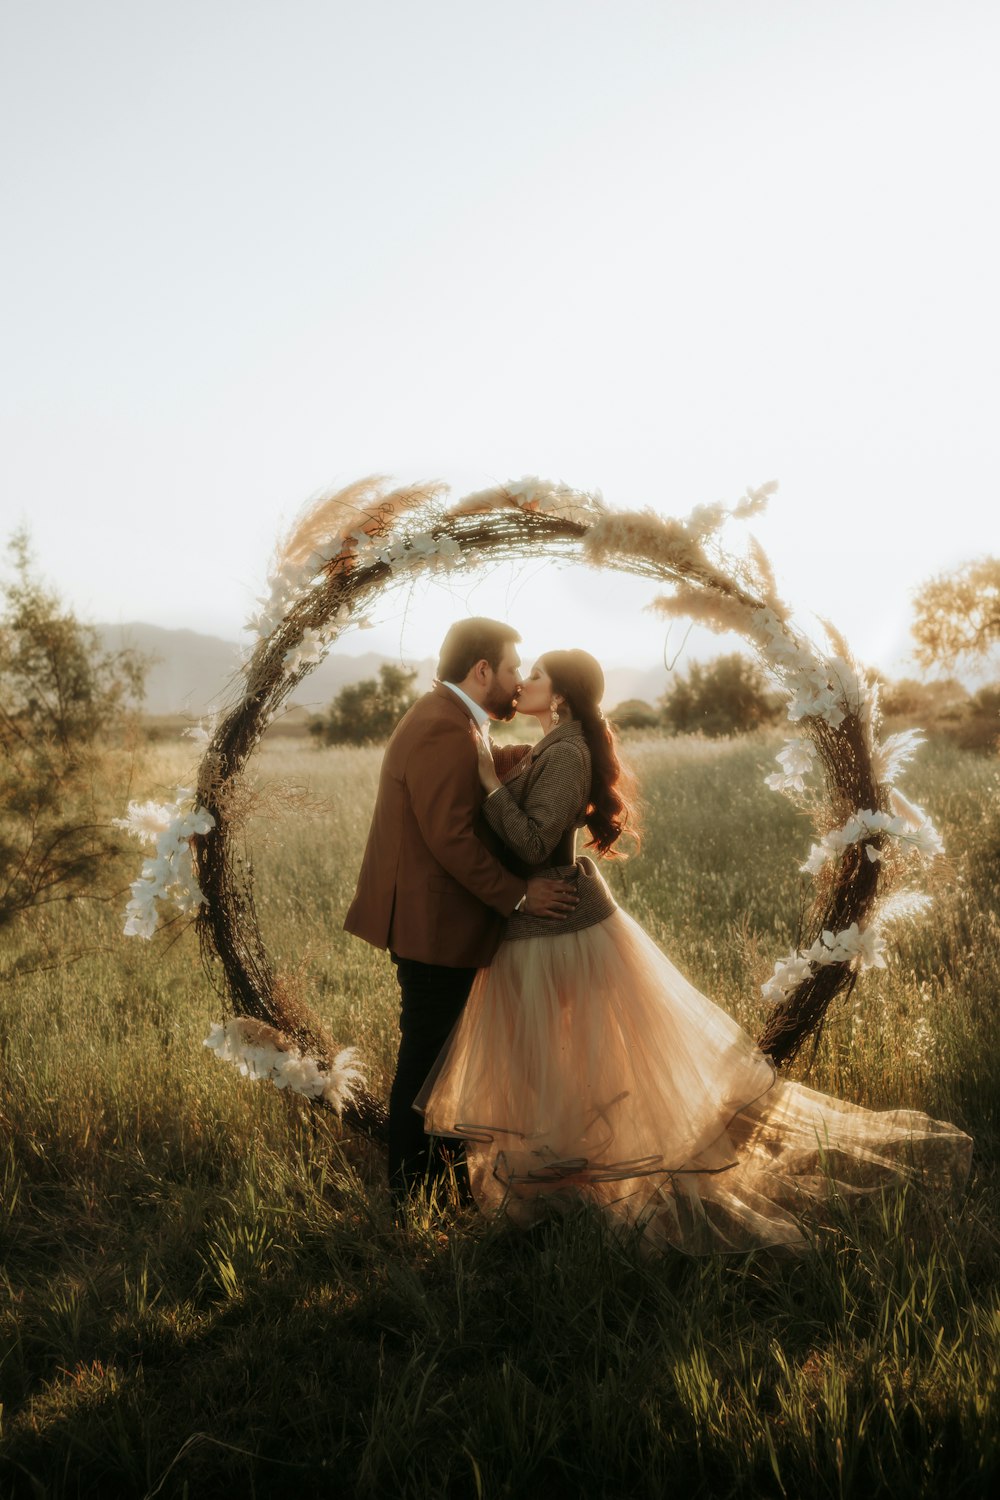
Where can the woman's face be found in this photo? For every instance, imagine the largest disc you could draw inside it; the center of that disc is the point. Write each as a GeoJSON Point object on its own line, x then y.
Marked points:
{"type": "Point", "coordinates": [536, 691]}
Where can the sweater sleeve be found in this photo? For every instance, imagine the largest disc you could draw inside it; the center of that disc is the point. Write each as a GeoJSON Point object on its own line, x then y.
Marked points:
{"type": "Point", "coordinates": [507, 758]}
{"type": "Point", "coordinates": [552, 803]}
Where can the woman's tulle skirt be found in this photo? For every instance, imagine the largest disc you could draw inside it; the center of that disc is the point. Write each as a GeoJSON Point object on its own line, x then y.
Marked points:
{"type": "Point", "coordinates": [585, 1066]}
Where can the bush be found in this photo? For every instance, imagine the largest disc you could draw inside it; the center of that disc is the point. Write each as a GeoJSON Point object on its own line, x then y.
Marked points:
{"type": "Point", "coordinates": [923, 702]}
{"type": "Point", "coordinates": [728, 696]}
{"type": "Point", "coordinates": [62, 702]}
{"type": "Point", "coordinates": [979, 726]}
{"type": "Point", "coordinates": [365, 713]}
{"type": "Point", "coordinates": [634, 713]}
{"type": "Point", "coordinates": [970, 720]}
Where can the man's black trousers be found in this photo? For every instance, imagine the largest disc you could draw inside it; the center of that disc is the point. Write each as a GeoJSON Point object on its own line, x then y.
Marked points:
{"type": "Point", "coordinates": [432, 999]}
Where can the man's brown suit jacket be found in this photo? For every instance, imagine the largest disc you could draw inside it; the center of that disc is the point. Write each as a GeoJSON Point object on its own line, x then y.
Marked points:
{"type": "Point", "coordinates": [431, 885]}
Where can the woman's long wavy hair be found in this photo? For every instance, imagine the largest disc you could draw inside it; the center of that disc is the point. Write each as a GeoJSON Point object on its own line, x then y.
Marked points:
{"type": "Point", "coordinates": [577, 677]}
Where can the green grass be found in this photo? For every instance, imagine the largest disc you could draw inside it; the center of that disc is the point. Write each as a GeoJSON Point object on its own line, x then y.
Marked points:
{"type": "Point", "coordinates": [204, 1292]}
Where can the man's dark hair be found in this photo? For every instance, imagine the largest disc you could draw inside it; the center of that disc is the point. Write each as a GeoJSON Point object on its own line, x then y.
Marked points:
{"type": "Point", "coordinates": [469, 641]}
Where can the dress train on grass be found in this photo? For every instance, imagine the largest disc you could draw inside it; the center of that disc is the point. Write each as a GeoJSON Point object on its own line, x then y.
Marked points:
{"type": "Point", "coordinates": [586, 1067]}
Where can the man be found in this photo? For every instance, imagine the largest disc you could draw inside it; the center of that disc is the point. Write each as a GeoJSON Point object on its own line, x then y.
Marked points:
{"type": "Point", "coordinates": [432, 888]}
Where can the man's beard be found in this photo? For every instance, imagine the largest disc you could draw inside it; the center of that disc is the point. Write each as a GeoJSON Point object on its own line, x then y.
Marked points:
{"type": "Point", "coordinates": [501, 707]}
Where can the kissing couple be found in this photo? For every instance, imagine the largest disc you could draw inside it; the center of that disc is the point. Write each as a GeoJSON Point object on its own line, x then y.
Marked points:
{"type": "Point", "coordinates": [550, 1053]}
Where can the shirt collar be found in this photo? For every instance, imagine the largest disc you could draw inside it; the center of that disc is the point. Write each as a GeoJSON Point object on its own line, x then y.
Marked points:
{"type": "Point", "coordinates": [571, 729]}
{"type": "Point", "coordinates": [480, 715]}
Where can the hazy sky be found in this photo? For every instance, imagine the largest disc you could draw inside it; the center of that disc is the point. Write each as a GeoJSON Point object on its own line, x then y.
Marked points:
{"type": "Point", "coordinates": [252, 250]}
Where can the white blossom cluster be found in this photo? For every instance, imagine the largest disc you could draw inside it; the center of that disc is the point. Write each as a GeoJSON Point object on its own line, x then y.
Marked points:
{"type": "Point", "coordinates": [288, 587]}
{"type": "Point", "coordinates": [796, 761]}
{"type": "Point", "coordinates": [398, 553]}
{"type": "Point", "coordinates": [313, 645]}
{"type": "Point", "coordinates": [830, 688]}
{"type": "Point", "coordinates": [907, 823]}
{"type": "Point", "coordinates": [310, 649]}
{"type": "Point", "coordinates": [818, 686]}
{"type": "Point", "coordinates": [168, 875]}
{"type": "Point", "coordinates": [412, 551]}
{"type": "Point", "coordinates": [260, 1052]}
{"type": "Point", "coordinates": [916, 830]}
{"type": "Point", "coordinates": [289, 584]}
{"type": "Point", "coordinates": [865, 948]}
{"type": "Point", "coordinates": [798, 756]}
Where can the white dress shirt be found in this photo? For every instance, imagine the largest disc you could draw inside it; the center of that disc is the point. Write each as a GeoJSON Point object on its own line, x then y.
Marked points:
{"type": "Point", "coordinates": [480, 715]}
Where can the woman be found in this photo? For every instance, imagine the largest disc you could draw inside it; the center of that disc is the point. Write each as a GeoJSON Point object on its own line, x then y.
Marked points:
{"type": "Point", "coordinates": [585, 1066]}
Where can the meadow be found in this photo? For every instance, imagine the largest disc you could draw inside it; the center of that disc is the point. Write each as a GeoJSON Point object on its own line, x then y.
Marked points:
{"type": "Point", "coordinates": [204, 1290]}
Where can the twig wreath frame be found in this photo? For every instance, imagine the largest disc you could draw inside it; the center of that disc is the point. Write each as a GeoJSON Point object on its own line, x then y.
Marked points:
{"type": "Point", "coordinates": [347, 550]}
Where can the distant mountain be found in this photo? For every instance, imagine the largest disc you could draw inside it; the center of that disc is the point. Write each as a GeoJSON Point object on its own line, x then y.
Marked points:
{"type": "Point", "coordinates": [622, 683]}
{"type": "Point", "coordinates": [192, 673]}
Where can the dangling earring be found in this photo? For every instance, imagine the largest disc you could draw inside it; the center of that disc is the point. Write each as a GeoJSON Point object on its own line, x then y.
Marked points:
{"type": "Point", "coordinates": [553, 714]}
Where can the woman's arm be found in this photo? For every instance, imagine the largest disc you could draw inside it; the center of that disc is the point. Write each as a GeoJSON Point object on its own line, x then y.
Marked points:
{"type": "Point", "coordinates": [444, 795]}
{"type": "Point", "coordinates": [552, 804]}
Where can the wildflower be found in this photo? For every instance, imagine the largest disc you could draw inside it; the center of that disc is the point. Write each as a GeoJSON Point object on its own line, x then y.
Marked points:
{"type": "Point", "coordinates": [310, 650]}
{"type": "Point", "coordinates": [852, 945]}
{"type": "Point", "coordinates": [796, 760]}
{"type": "Point", "coordinates": [915, 829]}
{"type": "Point", "coordinates": [261, 1052]}
{"type": "Point", "coordinates": [789, 972]}
{"type": "Point", "coordinates": [168, 875]}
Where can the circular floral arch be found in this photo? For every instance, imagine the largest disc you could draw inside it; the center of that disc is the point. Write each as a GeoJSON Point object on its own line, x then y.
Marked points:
{"type": "Point", "coordinates": [330, 572]}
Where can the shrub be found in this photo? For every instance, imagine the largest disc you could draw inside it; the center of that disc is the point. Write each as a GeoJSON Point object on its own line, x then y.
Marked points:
{"type": "Point", "coordinates": [727, 696]}
{"type": "Point", "coordinates": [365, 713]}
{"type": "Point", "coordinates": [634, 713]}
{"type": "Point", "coordinates": [63, 702]}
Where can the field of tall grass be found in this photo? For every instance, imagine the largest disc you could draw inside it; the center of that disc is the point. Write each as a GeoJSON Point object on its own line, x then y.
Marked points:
{"type": "Point", "coordinates": [204, 1291]}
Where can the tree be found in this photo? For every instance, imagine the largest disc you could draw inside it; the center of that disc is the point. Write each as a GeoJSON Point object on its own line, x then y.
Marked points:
{"type": "Point", "coordinates": [634, 713]}
{"type": "Point", "coordinates": [61, 700]}
{"type": "Point", "coordinates": [367, 712]}
{"type": "Point", "coordinates": [728, 696]}
{"type": "Point", "coordinates": [979, 726]}
{"type": "Point", "coordinates": [923, 701]}
{"type": "Point", "coordinates": [958, 614]}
